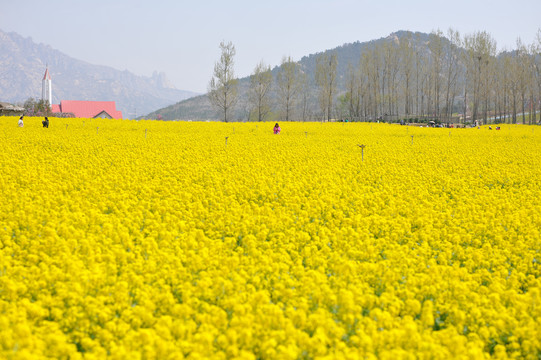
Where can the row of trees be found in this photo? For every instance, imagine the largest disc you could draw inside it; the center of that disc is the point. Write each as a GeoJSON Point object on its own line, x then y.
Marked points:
{"type": "Point", "coordinates": [291, 88]}
{"type": "Point", "coordinates": [40, 107]}
{"type": "Point", "coordinates": [443, 78]}
{"type": "Point", "coordinates": [36, 107]}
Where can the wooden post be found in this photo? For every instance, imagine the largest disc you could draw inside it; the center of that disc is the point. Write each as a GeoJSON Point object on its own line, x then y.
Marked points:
{"type": "Point", "coordinates": [362, 151]}
{"type": "Point", "coordinates": [226, 140]}
{"type": "Point", "coordinates": [306, 133]}
{"type": "Point", "coordinates": [411, 139]}
{"type": "Point", "coordinates": [66, 126]}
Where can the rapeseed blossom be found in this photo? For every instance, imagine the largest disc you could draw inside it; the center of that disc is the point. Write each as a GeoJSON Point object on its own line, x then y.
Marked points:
{"type": "Point", "coordinates": [173, 240]}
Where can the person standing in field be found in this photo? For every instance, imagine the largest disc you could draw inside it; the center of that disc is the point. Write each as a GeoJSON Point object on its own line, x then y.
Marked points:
{"type": "Point", "coordinates": [277, 129]}
{"type": "Point", "coordinates": [21, 123]}
{"type": "Point", "coordinates": [45, 122]}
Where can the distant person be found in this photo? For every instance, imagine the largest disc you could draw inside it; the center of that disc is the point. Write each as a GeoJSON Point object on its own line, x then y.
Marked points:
{"type": "Point", "coordinates": [277, 129]}
{"type": "Point", "coordinates": [21, 123]}
{"type": "Point", "coordinates": [45, 122]}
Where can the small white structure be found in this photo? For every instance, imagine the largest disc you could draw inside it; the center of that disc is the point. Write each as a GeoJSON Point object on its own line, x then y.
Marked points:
{"type": "Point", "coordinates": [10, 110]}
{"type": "Point", "coordinates": [46, 88]}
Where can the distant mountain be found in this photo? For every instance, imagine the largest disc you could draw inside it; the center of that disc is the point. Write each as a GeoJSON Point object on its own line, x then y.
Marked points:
{"type": "Point", "coordinates": [23, 63]}
{"type": "Point", "coordinates": [199, 107]}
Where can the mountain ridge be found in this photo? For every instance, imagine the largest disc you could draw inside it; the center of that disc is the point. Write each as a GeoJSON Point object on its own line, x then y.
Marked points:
{"type": "Point", "coordinates": [23, 63]}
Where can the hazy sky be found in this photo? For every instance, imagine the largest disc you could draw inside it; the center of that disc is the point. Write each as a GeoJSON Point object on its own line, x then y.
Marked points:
{"type": "Point", "coordinates": [181, 38]}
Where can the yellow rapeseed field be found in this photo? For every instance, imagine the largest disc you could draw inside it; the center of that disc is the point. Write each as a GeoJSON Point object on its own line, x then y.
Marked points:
{"type": "Point", "coordinates": [172, 240]}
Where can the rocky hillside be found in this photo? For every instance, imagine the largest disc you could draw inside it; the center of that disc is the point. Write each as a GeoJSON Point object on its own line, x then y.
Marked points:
{"type": "Point", "coordinates": [23, 63]}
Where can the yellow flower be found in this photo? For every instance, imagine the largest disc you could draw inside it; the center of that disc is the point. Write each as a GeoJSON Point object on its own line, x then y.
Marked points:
{"type": "Point", "coordinates": [116, 245]}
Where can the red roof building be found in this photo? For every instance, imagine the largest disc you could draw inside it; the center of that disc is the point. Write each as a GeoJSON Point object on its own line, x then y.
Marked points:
{"type": "Point", "coordinates": [88, 109]}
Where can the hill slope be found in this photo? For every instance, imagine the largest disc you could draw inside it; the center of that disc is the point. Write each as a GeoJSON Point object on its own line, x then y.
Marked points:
{"type": "Point", "coordinates": [23, 63]}
{"type": "Point", "coordinates": [199, 107]}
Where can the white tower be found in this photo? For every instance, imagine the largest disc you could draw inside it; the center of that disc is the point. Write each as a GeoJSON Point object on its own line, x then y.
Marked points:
{"type": "Point", "coordinates": [46, 88]}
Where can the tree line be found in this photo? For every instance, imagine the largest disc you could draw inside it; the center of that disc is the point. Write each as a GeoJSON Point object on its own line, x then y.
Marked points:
{"type": "Point", "coordinates": [41, 107]}
{"type": "Point", "coordinates": [446, 79]}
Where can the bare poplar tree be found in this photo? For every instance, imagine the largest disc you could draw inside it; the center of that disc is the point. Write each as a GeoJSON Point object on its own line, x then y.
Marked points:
{"type": "Point", "coordinates": [437, 54]}
{"type": "Point", "coordinates": [423, 85]}
{"type": "Point", "coordinates": [514, 84]}
{"type": "Point", "coordinates": [532, 85]}
{"type": "Point", "coordinates": [523, 75]}
{"type": "Point", "coordinates": [504, 76]}
{"type": "Point", "coordinates": [406, 54]}
{"type": "Point", "coordinates": [258, 95]}
{"type": "Point", "coordinates": [419, 77]}
{"type": "Point", "coordinates": [304, 95]}
{"type": "Point", "coordinates": [222, 89]}
{"type": "Point", "coordinates": [392, 59]}
{"type": "Point", "coordinates": [481, 49]}
{"type": "Point", "coordinates": [364, 65]}
{"type": "Point", "coordinates": [536, 49]}
{"type": "Point", "coordinates": [500, 87]}
{"type": "Point", "coordinates": [288, 83]}
{"type": "Point", "coordinates": [326, 81]}
{"type": "Point", "coordinates": [353, 92]}
{"type": "Point", "coordinates": [370, 68]}
{"type": "Point", "coordinates": [384, 74]}
{"type": "Point", "coordinates": [451, 54]}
